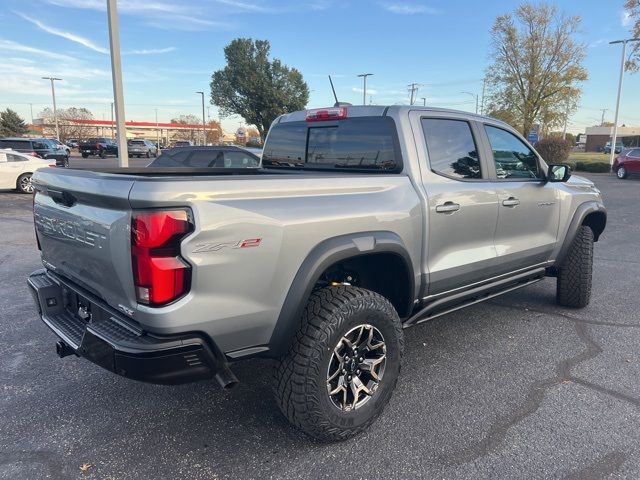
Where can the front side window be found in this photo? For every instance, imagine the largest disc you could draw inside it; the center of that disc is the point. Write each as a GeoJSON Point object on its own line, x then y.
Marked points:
{"type": "Point", "coordinates": [451, 147]}
{"type": "Point", "coordinates": [514, 160]}
{"type": "Point", "coordinates": [239, 160]}
{"type": "Point", "coordinates": [41, 146]}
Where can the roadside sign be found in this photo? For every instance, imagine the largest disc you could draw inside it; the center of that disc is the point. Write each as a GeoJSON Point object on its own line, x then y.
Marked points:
{"type": "Point", "coordinates": [533, 135]}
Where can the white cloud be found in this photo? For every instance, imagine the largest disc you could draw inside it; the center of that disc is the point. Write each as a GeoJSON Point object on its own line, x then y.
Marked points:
{"type": "Point", "coordinates": [409, 8]}
{"type": "Point", "coordinates": [625, 19]}
{"type": "Point", "coordinates": [370, 91]}
{"type": "Point", "coordinates": [243, 6]}
{"type": "Point", "coordinates": [9, 45]}
{"type": "Point", "coordinates": [68, 35]}
{"type": "Point", "coordinates": [150, 51]}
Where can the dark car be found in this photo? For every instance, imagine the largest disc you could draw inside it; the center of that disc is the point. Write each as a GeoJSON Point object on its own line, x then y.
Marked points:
{"type": "Point", "coordinates": [205, 157]}
{"type": "Point", "coordinates": [142, 148]}
{"type": "Point", "coordinates": [627, 163]}
{"type": "Point", "coordinates": [38, 147]}
{"type": "Point", "coordinates": [98, 146]}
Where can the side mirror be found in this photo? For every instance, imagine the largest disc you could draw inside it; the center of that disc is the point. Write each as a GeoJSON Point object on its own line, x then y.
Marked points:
{"type": "Point", "coordinates": [558, 173]}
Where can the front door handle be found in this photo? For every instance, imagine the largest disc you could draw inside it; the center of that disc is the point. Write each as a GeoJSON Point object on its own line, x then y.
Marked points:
{"type": "Point", "coordinates": [447, 207]}
{"type": "Point", "coordinates": [511, 202]}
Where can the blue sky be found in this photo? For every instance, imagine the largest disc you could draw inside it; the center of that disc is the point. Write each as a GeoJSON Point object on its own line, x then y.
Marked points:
{"type": "Point", "coordinates": [170, 48]}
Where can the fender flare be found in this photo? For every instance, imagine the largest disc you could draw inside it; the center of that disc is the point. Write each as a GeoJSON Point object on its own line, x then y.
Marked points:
{"type": "Point", "coordinates": [321, 257]}
{"type": "Point", "coordinates": [579, 216]}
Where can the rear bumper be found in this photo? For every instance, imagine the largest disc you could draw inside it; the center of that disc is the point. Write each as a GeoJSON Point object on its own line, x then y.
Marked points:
{"type": "Point", "coordinates": [114, 342]}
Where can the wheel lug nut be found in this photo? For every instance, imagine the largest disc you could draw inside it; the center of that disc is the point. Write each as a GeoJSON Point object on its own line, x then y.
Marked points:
{"type": "Point", "coordinates": [361, 359]}
{"type": "Point", "coordinates": [344, 370]}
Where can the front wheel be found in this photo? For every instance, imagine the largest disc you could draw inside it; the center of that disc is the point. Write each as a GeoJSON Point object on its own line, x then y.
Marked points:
{"type": "Point", "coordinates": [343, 364]}
{"type": "Point", "coordinates": [102, 154]}
{"type": "Point", "coordinates": [574, 274]}
{"type": "Point", "coordinates": [65, 162]}
{"type": "Point", "coordinates": [621, 172]}
{"type": "Point", "coordinates": [85, 155]}
{"type": "Point", "coordinates": [24, 183]}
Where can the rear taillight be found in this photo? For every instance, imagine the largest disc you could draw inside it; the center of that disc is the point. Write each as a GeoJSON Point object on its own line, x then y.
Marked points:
{"type": "Point", "coordinates": [160, 274]}
{"type": "Point", "coordinates": [322, 114]}
{"type": "Point", "coordinates": [97, 146]}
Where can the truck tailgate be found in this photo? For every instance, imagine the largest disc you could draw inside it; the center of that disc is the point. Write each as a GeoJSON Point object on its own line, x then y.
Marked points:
{"type": "Point", "coordinates": [83, 222]}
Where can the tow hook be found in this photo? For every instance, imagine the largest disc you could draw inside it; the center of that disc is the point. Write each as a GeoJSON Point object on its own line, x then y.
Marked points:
{"type": "Point", "coordinates": [64, 350]}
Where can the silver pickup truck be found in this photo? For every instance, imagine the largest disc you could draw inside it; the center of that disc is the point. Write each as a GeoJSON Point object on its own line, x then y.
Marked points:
{"type": "Point", "coordinates": [359, 223]}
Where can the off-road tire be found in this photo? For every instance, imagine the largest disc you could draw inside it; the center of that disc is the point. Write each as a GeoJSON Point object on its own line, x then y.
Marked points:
{"type": "Point", "coordinates": [301, 374]}
{"type": "Point", "coordinates": [574, 274]}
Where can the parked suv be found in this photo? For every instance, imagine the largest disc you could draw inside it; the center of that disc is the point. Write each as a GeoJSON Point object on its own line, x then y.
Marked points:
{"type": "Point", "coordinates": [98, 146]}
{"type": "Point", "coordinates": [38, 147]}
{"type": "Point", "coordinates": [142, 148]}
{"type": "Point", "coordinates": [360, 222]}
{"type": "Point", "coordinates": [627, 163]}
{"type": "Point", "coordinates": [618, 149]}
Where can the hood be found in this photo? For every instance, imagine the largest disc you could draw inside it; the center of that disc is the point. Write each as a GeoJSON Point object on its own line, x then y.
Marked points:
{"type": "Point", "coordinates": [577, 180]}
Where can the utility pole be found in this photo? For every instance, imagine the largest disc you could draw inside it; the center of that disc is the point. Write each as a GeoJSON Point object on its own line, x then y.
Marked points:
{"type": "Point", "coordinates": [424, 101]}
{"type": "Point", "coordinates": [413, 88]}
{"type": "Point", "coordinates": [474, 95]}
{"type": "Point", "coordinates": [31, 108]}
{"type": "Point", "coordinates": [116, 74]}
{"type": "Point", "coordinates": [566, 120]}
{"type": "Point", "coordinates": [111, 120]}
{"type": "Point", "coordinates": [484, 84]}
{"type": "Point", "coordinates": [615, 121]}
{"type": "Point", "coordinates": [602, 118]}
{"type": "Point", "coordinates": [55, 111]}
{"type": "Point", "coordinates": [204, 131]}
{"type": "Point", "coordinates": [364, 90]}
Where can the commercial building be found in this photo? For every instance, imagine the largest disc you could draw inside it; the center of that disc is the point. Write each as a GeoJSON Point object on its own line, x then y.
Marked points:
{"type": "Point", "coordinates": [162, 132]}
{"type": "Point", "coordinates": [597, 137]}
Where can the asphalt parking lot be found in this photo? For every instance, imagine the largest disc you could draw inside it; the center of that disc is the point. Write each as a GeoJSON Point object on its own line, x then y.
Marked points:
{"type": "Point", "coordinates": [513, 388]}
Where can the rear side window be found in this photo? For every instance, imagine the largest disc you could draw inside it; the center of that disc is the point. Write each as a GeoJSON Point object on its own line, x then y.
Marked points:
{"type": "Point", "coordinates": [361, 143]}
{"type": "Point", "coordinates": [15, 158]}
{"type": "Point", "coordinates": [41, 146]}
{"type": "Point", "coordinates": [451, 147]}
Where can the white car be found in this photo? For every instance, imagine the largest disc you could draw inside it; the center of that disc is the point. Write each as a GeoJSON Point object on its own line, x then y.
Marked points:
{"type": "Point", "coordinates": [16, 170]}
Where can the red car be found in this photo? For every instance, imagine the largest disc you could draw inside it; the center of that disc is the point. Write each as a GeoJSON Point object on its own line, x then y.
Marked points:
{"type": "Point", "coordinates": [627, 163]}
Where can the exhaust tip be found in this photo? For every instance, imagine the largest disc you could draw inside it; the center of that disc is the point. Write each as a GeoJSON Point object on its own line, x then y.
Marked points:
{"type": "Point", "coordinates": [226, 378]}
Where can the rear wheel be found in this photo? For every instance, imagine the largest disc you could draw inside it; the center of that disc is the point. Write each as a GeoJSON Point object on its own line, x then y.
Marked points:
{"type": "Point", "coordinates": [65, 162]}
{"type": "Point", "coordinates": [102, 154]}
{"type": "Point", "coordinates": [574, 274]}
{"type": "Point", "coordinates": [148, 155]}
{"type": "Point", "coordinates": [85, 155]}
{"type": "Point", "coordinates": [621, 172]}
{"type": "Point", "coordinates": [24, 183]}
{"type": "Point", "coordinates": [343, 364]}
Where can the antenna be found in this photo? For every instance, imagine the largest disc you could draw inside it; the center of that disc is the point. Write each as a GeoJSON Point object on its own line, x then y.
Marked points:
{"type": "Point", "coordinates": [334, 92]}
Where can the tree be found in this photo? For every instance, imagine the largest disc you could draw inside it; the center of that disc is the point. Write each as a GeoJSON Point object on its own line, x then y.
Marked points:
{"type": "Point", "coordinates": [11, 124]}
{"type": "Point", "coordinates": [68, 123]}
{"type": "Point", "coordinates": [191, 134]}
{"type": "Point", "coordinates": [537, 66]}
{"type": "Point", "coordinates": [214, 132]}
{"type": "Point", "coordinates": [632, 8]}
{"type": "Point", "coordinates": [254, 87]}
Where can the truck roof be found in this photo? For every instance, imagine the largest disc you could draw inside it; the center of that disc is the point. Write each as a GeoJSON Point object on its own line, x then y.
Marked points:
{"type": "Point", "coordinates": [382, 110]}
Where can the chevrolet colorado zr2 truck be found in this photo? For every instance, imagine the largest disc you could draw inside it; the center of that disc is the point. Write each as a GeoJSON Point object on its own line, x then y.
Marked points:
{"type": "Point", "coordinates": [359, 223]}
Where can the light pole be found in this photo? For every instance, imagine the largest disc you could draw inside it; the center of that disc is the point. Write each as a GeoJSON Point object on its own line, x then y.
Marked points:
{"type": "Point", "coordinates": [116, 75]}
{"type": "Point", "coordinates": [615, 121]}
{"type": "Point", "coordinates": [364, 90]}
{"type": "Point", "coordinates": [55, 112]}
{"type": "Point", "coordinates": [111, 120]}
{"type": "Point", "coordinates": [424, 101]}
{"type": "Point", "coordinates": [204, 131]}
{"type": "Point", "coordinates": [474, 95]}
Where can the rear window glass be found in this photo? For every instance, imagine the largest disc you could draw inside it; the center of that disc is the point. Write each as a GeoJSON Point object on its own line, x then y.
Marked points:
{"type": "Point", "coordinates": [136, 142]}
{"type": "Point", "coordinates": [15, 144]}
{"type": "Point", "coordinates": [362, 143]}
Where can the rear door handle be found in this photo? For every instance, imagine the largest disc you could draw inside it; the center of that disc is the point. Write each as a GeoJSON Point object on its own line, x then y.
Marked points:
{"type": "Point", "coordinates": [447, 207]}
{"type": "Point", "coordinates": [511, 202]}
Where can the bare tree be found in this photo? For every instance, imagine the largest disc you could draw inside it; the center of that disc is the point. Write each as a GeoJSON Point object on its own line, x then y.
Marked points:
{"type": "Point", "coordinates": [537, 66]}
{"type": "Point", "coordinates": [69, 121]}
